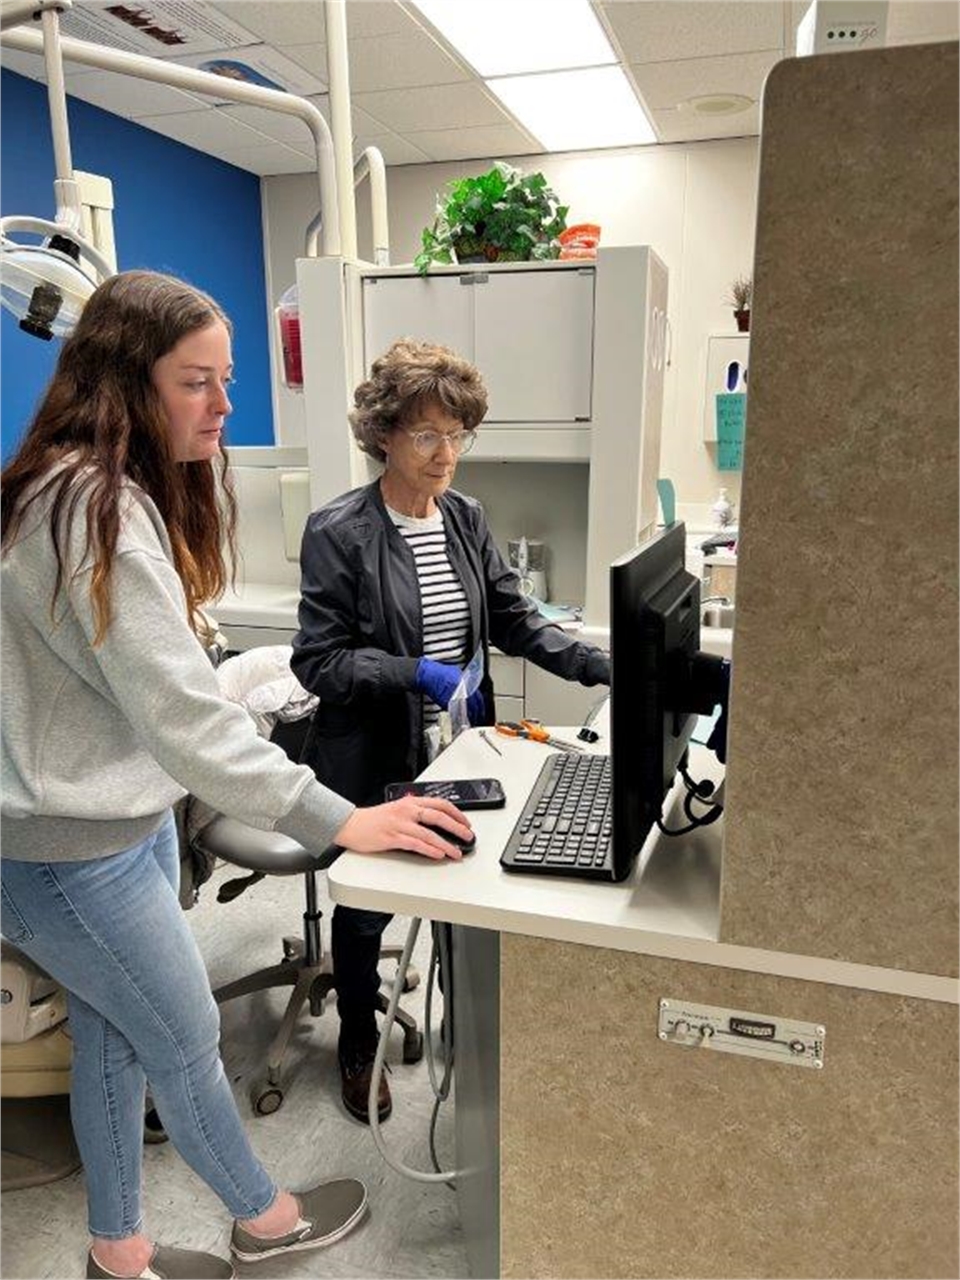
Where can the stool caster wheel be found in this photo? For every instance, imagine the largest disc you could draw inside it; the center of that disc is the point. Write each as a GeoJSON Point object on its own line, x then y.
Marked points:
{"type": "Point", "coordinates": [266, 1098]}
{"type": "Point", "coordinates": [412, 1046]}
{"type": "Point", "coordinates": [412, 979]}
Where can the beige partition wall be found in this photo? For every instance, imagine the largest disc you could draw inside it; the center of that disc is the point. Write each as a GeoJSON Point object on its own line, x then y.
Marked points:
{"type": "Point", "coordinates": [841, 825]}
{"type": "Point", "coordinates": [625, 1156]}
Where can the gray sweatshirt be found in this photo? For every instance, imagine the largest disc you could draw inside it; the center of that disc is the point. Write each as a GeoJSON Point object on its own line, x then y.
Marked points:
{"type": "Point", "coordinates": [97, 743]}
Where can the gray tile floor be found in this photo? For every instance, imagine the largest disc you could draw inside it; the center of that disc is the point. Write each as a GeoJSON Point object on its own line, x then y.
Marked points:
{"type": "Point", "coordinates": [413, 1229]}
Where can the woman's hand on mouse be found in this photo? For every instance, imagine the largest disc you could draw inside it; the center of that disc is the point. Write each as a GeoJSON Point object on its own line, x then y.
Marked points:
{"type": "Point", "coordinates": [401, 824]}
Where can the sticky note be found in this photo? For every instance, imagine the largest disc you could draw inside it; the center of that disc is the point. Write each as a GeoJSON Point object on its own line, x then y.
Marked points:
{"type": "Point", "coordinates": [731, 421]}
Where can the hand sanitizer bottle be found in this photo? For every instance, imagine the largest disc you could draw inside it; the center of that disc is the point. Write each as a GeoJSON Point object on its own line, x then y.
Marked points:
{"type": "Point", "coordinates": [722, 510]}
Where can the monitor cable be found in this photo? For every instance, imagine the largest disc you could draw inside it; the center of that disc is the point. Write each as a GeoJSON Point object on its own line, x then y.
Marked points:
{"type": "Point", "coordinates": [702, 791]}
{"type": "Point", "coordinates": [439, 961]}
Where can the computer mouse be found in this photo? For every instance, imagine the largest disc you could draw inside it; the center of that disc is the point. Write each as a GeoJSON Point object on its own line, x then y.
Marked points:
{"type": "Point", "coordinates": [465, 846]}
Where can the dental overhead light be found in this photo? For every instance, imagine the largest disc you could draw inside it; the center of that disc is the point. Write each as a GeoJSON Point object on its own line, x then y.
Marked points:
{"type": "Point", "coordinates": [46, 285]}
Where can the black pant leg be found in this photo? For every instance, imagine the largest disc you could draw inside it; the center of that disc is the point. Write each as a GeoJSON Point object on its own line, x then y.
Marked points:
{"type": "Point", "coordinates": [356, 937]}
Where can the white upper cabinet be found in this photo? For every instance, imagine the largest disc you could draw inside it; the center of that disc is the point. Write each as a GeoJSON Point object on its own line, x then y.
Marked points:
{"type": "Point", "coordinates": [428, 308]}
{"type": "Point", "coordinates": [534, 344]}
{"type": "Point", "coordinates": [530, 332]}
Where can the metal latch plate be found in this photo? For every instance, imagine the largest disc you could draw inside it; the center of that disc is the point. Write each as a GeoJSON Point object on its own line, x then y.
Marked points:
{"type": "Point", "coordinates": [756, 1035]}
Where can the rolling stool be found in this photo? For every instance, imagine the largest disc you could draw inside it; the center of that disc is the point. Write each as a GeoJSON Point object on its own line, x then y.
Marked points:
{"type": "Point", "coordinates": [305, 965]}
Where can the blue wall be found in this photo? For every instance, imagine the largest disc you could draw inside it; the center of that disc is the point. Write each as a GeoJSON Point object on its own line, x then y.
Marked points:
{"type": "Point", "coordinates": [177, 210]}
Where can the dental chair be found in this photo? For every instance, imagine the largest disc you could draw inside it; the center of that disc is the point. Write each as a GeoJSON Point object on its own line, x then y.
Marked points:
{"type": "Point", "coordinates": [35, 1054]}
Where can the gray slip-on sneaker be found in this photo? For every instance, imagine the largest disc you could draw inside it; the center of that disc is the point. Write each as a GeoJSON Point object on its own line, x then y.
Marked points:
{"type": "Point", "coordinates": [327, 1213]}
{"type": "Point", "coordinates": [171, 1264]}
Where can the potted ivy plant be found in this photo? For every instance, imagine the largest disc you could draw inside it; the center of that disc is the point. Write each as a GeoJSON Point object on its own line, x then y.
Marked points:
{"type": "Point", "coordinates": [500, 216]}
{"type": "Point", "coordinates": [740, 298]}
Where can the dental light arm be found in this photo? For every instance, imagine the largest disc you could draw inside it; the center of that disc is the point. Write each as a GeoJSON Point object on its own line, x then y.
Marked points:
{"type": "Point", "coordinates": [205, 82]}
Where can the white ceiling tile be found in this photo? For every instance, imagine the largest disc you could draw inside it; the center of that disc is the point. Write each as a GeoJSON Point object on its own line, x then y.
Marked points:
{"type": "Point", "coordinates": [395, 150]}
{"type": "Point", "coordinates": [290, 130]}
{"type": "Point", "coordinates": [417, 100]}
{"type": "Point", "coordinates": [134, 99]}
{"type": "Point", "coordinates": [299, 22]}
{"type": "Point", "coordinates": [206, 130]}
{"type": "Point", "coordinates": [452, 106]}
{"type": "Point", "coordinates": [294, 134]}
{"type": "Point", "coordinates": [363, 122]}
{"type": "Point", "coordinates": [668, 30]}
{"type": "Point", "coordinates": [922, 21]}
{"type": "Point", "coordinates": [687, 126]}
{"type": "Point", "coordinates": [401, 61]}
{"type": "Point", "coordinates": [279, 22]}
{"type": "Point", "coordinates": [271, 159]}
{"type": "Point", "coordinates": [312, 57]}
{"type": "Point", "coordinates": [667, 84]}
{"type": "Point", "coordinates": [486, 141]}
{"type": "Point", "coordinates": [377, 18]}
{"type": "Point", "coordinates": [32, 65]}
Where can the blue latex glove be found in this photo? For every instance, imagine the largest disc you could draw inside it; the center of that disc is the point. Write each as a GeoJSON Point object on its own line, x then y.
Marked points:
{"type": "Point", "coordinates": [438, 680]}
{"type": "Point", "coordinates": [476, 707]}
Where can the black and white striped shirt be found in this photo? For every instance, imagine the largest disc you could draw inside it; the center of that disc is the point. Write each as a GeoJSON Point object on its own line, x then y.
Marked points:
{"type": "Point", "coordinates": [443, 602]}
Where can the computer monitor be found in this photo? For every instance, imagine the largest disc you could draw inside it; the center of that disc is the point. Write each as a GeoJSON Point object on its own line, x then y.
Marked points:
{"type": "Point", "coordinates": [660, 682]}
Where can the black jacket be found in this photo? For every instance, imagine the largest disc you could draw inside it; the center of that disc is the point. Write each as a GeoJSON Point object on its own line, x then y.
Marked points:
{"type": "Point", "coordinates": [361, 635]}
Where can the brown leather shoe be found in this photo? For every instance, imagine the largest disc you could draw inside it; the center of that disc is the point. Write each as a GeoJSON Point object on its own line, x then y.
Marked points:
{"type": "Point", "coordinates": [356, 1073]}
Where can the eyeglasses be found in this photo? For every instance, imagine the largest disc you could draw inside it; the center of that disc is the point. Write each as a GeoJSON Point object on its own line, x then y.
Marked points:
{"type": "Point", "coordinates": [427, 443]}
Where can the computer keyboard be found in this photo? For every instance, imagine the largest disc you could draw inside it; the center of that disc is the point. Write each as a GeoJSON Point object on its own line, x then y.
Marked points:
{"type": "Point", "coordinates": [566, 825]}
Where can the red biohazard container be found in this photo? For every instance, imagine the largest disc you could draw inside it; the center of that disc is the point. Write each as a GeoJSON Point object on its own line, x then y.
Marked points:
{"type": "Point", "coordinates": [288, 324]}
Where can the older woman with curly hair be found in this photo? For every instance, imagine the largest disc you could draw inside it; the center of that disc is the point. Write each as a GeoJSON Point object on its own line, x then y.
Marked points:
{"type": "Point", "coordinates": [401, 583]}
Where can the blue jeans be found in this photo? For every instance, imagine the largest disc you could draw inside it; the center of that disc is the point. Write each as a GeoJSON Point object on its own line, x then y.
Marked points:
{"type": "Point", "coordinates": [112, 932]}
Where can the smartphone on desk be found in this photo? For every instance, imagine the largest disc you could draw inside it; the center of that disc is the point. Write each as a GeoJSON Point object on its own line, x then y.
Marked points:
{"type": "Point", "coordinates": [465, 793]}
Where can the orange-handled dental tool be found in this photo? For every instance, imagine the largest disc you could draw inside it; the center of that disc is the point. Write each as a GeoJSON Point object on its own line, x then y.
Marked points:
{"type": "Point", "coordinates": [534, 731]}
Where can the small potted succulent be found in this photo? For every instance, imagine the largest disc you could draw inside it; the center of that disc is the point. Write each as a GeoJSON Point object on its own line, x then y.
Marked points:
{"type": "Point", "coordinates": [741, 295]}
{"type": "Point", "coordinates": [500, 216]}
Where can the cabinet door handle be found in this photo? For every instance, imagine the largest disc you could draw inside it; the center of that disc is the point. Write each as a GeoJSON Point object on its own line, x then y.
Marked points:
{"type": "Point", "coordinates": [656, 337]}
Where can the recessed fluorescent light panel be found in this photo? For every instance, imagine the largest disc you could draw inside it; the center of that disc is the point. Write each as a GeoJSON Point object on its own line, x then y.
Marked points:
{"type": "Point", "coordinates": [510, 37]}
{"type": "Point", "coordinates": [577, 110]}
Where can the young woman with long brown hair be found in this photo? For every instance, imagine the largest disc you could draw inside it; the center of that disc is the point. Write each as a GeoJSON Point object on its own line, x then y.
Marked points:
{"type": "Point", "coordinates": [115, 512]}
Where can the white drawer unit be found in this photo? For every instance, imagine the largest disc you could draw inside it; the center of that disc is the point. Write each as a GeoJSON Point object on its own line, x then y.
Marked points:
{"type": "Point", "coordinates": [507, 675]}
{"type": "Point", "coordinates": [508, 708]}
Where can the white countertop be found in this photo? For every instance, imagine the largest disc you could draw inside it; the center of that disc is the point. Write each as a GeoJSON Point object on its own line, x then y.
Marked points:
{"type": "Point", "coordinates": [669, 906]}
{"type": "Point", "coordinates": [674, 895]}
{"type": "Point", "coordinates": [274, 605]}
{"type": "Point", "coordinates": [266, 604]}
{"type": "Point", "coordinates": [259, 604]}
